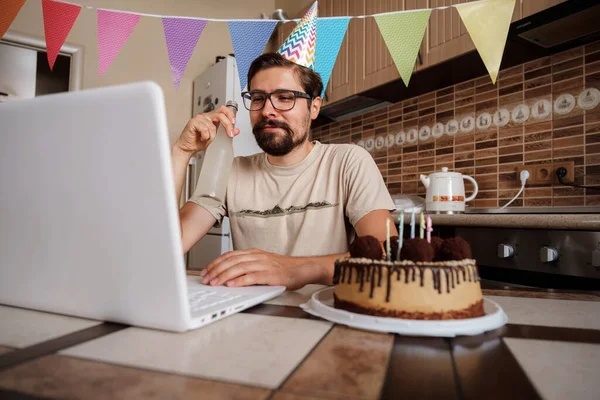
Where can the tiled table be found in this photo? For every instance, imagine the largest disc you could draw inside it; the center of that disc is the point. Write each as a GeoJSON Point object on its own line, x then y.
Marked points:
{"type": "Point", "coordinates": [550, 349]}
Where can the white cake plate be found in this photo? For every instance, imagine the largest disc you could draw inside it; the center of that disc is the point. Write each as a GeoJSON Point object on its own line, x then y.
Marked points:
{"type": "Point", "coordinates": [321, 305]}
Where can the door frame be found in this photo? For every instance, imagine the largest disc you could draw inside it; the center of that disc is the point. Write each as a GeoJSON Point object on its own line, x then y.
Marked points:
{"type": "Point", "coordinates": [75, 52]}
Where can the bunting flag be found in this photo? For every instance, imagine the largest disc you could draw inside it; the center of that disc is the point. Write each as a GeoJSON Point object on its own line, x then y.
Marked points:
{"type": "Point", "coordinates": [299, 47]}
{"type": "Point", "coordinates": [114, 28]}
{"type": "Point", "coordinates": [403, 33]}
{"type": "Point", "coordinates": [58, 21]}
{"type": "Point", "coordinates": [8, 12]}
{"type": "Point", "coordinates": [249, 40]}
{"type": "Point", "coordinates": [331, 32]}
{"type": "Point", "coordinates": [182, 36]}
{"type": "Point", "coordinates": [487, 23]}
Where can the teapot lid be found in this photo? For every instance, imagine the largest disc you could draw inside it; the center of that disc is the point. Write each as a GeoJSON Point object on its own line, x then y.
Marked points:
{"type": "Point", "coordinates": [444, 169]}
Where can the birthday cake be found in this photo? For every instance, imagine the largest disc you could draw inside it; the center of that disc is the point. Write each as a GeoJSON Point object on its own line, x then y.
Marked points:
{"type": "Point", "coordinates": [431, 280]}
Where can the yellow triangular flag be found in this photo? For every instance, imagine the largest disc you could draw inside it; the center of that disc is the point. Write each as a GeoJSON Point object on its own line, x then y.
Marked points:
{"type": "Point", "coordinates": [403, 33]}
{"type": "Point", "coordinates": [487, 23]}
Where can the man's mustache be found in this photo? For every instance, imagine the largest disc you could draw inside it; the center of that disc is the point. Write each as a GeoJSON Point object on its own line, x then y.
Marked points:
{"type": "Point", "coordinates": [270, 123]}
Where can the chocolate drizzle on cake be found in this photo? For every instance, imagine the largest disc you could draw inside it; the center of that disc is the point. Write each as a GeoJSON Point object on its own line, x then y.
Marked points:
{"type": "Point", "coordinates": [366, 269]}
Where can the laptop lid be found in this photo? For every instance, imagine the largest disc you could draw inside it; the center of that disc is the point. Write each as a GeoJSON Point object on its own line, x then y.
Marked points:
{"type": "Point", "coordinates": [88, 215]}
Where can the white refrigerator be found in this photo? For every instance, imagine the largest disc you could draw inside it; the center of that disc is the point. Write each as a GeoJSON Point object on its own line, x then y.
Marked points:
{"type": "Point", "coordinates": [213, 88]}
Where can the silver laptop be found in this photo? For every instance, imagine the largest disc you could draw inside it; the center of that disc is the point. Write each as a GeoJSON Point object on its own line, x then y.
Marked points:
{"type": "Point", "coordinates": [89, 222]}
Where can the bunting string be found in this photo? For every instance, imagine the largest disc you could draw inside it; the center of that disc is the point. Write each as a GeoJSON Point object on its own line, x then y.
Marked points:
{"type": "Point", "coordinates": [271, 20]}
{"type": "Point", "coordinates": [314, 43]}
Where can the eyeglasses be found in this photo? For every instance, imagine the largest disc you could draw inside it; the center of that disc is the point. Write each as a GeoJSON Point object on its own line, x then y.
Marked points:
{"type": "Point", "coordinates": [281, 99]}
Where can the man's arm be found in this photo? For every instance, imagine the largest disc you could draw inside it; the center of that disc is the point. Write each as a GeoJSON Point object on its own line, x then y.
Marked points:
{"type": "Point", "coordinates": [372, 224]}
{"type": "Point", "coordinates": [196, 221]}
{"type": "Point", "coordinates": [257, 267]}
{"type": "Point", "coordinates": [196, 136]}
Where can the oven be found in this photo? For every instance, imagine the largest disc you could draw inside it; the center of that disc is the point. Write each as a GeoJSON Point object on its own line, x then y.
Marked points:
{"type": "Point", "coordinates": [550, 258]}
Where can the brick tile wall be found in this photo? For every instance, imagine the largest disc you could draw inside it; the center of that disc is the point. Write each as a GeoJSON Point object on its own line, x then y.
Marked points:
{"type": "Point", "coordinates": [482, 148]}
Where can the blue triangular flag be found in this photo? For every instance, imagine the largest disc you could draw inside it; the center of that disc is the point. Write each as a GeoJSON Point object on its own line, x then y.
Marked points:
{"type": "Point", "coordinates": [249, 39]}
{"type": "Point", "coordinates": [330, 33]}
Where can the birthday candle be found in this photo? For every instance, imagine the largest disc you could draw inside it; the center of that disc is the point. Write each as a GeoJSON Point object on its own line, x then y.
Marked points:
{"type": "Point", "coordinates": [412, 224]}
{"type": "Point", "coordinates": [429, 229]}
{"type": "Point", "coordinates": [422, 226]}
{"type": "Point", "coordinates": [388, 250]}
{"type": "Point", "coordinates": [400, 233]}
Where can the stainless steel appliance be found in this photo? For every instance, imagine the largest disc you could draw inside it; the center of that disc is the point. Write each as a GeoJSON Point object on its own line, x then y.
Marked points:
{"type": "Point", "coordinates": [563, 252]}
{"type": "Point", "coordinates": [212, 89]}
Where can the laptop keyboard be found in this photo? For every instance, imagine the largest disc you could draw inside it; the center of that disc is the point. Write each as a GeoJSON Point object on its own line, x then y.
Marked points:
{"type": "Point", "coordinates": [203, 297]}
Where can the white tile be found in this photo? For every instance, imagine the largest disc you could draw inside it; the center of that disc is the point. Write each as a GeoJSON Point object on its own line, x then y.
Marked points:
{"type": "Point", "coordinates": [548, 312]}
{"type": "Point", "coordinates": [560, 370]}
{"type": "Point", "coordinates": [21, 328]}
{"type": "Point", "coordinates": [251, 349]}
{"type": "Point", "coordinates": [297, 297]}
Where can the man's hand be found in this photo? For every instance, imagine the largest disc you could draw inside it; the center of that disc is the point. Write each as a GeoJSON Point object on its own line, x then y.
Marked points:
{"type": "Point", "coordinates": [202, 129]}
{"type": "Point", "coordinates": [257, 267]}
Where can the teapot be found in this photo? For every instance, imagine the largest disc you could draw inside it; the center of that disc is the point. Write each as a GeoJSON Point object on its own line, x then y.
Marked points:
{"type": "Point", "coordinates": [446, 191]}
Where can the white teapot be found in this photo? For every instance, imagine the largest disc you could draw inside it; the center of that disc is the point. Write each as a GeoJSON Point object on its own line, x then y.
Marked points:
{"type": "Point", "coordinates": [446, 191]}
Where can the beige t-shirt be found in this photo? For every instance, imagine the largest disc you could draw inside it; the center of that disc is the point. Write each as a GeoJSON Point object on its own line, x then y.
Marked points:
{"type": "Point", "coordinates": [308, 209]}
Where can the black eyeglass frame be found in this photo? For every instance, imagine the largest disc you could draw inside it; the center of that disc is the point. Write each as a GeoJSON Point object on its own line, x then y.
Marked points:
{"type": "Point", "coordinates": [268, 96]}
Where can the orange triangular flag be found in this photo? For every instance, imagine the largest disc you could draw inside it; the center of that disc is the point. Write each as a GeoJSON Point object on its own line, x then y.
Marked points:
{"type": "Point", "coordinates": [8, 11]}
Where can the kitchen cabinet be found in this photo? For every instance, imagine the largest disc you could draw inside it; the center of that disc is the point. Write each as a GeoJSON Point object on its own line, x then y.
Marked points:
{"type": "Point", "coordinates": [364, 61]}
{"type": "Point", "coordinates": [342, 82]}
{"type": "Point", "coordinates": [446, 36]}
{"type": "Point", "coordinates": [530, 7]}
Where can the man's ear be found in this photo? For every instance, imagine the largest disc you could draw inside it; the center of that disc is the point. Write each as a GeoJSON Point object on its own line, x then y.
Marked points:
{"type": "Point", "coordinates": [315, 107]}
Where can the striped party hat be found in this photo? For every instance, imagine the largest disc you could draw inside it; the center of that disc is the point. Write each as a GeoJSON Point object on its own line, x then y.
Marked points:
{"type": "Point", "coordinates": [299, 47]}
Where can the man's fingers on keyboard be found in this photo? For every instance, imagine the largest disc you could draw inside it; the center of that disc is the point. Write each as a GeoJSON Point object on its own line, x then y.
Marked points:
{"type": "Point", "coordinates": [235, 271]}
{"type": "Point", "coordinates": [253, 278]}
{"type": "Point", "coordinates": [223, 257]}
{"type": "Point", "coordinates": [226, 264]}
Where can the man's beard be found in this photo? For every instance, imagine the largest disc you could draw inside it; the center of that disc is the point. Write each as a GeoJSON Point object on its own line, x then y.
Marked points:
{"type": "Point", "coordinates": [276, 144]}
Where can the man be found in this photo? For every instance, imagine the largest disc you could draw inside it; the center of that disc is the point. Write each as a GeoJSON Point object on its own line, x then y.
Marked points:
{"type": "Point", "coordinates": [294, 208]}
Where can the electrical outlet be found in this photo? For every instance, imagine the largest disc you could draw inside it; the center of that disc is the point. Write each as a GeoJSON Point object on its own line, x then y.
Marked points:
{"type": "Point", "coordinates": [545, 174]}
{"type": "Point", "coordinates": [569, 166]}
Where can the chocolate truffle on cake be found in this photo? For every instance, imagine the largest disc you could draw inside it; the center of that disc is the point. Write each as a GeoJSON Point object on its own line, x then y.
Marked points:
{"type": "Point", "coordinates": [366, 247]}
{"type": "Point", "coordinates": [416, 249]}
{"type": "Point", "coordinates": [455, 249]}
{"type": "Point", "coordinates": [436, 243]}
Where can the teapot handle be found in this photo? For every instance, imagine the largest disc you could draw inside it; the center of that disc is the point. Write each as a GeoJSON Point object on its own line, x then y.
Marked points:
{"type": "Point", "coordinates": [475, 188]}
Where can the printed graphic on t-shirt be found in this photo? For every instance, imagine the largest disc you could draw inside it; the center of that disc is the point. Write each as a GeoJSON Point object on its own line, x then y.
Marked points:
{"type": "Point", "coordinates": [277, 211]}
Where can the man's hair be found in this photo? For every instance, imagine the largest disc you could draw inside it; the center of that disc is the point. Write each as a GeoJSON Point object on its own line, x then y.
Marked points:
{"type": "Point", "coordinates": [309, 80]}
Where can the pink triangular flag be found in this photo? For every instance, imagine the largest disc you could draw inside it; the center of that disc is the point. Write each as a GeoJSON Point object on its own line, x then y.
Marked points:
{"type": "Point", "coordinates": [182, 35]}
{"type": "Point", "coordinates": [58, 21]}
{"type": "Point", "coordinates": [114, 28]}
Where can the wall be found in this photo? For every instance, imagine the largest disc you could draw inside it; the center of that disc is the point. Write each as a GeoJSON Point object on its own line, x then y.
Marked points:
{"type": "Point", "coordinates": [491, 155]}
{"type": "Point", "coordinates": [144, 55]}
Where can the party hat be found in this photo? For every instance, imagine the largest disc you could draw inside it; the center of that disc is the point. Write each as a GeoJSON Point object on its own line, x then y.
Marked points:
{"type": "Point", "coordinates": [299, 47]}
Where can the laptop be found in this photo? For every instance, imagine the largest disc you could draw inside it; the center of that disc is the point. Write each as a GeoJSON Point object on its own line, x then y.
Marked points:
{"type": "Point", "coordinates": [89, 223]}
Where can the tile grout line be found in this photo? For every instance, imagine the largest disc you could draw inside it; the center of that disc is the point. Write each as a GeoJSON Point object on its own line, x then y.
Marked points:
{"type": "Point", "coordinates": [457, 383]}
{"type": "Point", "coordinates": [552, 333]}
{"type": "Point", "coordinates": [52, 346]}
{"type": "Point", "coordinates": [300, 363]}
{"type": "Point", "coordinates": [15, 395]}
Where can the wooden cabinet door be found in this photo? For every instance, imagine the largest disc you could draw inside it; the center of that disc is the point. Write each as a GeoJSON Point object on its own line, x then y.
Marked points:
{"type": "Point", "coordinates": [530, 7]}
{"type": "Point", "coordinates": [446, 36]}
{"type": "Point", "coordinates": [375, 65]}
{"type": "Point", "coordinates": [342, 82]}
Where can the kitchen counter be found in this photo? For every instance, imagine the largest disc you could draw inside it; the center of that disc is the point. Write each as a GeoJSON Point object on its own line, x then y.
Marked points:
{"type": "Point", "coordinates": [589, 222]}
{"type": "Point", "coordinates": [549, 349]}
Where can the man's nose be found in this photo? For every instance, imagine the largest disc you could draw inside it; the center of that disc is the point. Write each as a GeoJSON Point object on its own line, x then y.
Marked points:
{"type": "Point", "coordinates": [268, 110]}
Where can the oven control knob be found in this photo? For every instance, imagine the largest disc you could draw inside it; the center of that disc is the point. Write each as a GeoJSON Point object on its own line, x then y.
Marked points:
{"type": "Point", "coordinates": [548, 254]}
{"type": "Point", "coordinates": [505, 251]}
